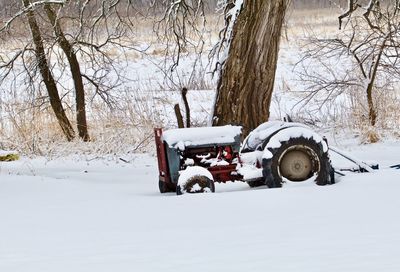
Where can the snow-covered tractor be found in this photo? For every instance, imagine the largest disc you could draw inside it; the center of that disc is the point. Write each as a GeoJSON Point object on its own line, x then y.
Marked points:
{"type": "Point", "coordinates": [190, 160]}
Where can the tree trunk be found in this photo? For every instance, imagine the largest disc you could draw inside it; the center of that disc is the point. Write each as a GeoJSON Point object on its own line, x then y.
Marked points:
{"type": "Point", "coordinates": [372, 115]}
{"type": "Point", "coordinates": [47, 75]}
{"type": "Point", "coordinates": [247, 78]}
{"type": "Point", "coordinates": [75, 72]}
{"type": "Point", "coordinates": [371, 108]}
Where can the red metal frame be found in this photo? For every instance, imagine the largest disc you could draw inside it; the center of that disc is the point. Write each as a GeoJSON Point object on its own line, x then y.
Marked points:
{"type": "Point", "coordinates": [224, 173]}
{"type": "Point", "coordinates": [163, 171]}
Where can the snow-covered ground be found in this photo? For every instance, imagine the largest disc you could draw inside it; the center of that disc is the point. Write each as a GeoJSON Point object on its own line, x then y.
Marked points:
{"type": "Point", "coordinates": [107, 215]}
{"type": "Point", "coordinates": [88, 214]}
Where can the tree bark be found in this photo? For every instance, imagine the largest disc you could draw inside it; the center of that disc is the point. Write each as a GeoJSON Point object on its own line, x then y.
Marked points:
{"type": "Point", "coordinates": [371, 108]}
{"type": "Point", "coordinates": [178, 115]}
{"type": "Point", "coordinates": [75, 72]}
{"type": "Point", "coordinates": [372, 114]}
{"type": "Point", "coordinates": [247, 79]}
{"type": "Point", "coordinates": [187, 108]}
{"type": "Point", "coordinates": [47, 75]}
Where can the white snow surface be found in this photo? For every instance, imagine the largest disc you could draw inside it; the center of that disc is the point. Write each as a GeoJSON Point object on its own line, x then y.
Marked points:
{"type": "Point", "coordinates": [5, 152]}
{"type": "Point", "coordinates": [72, 215]}
{"type": "Point", "coordinates": [180, 138]}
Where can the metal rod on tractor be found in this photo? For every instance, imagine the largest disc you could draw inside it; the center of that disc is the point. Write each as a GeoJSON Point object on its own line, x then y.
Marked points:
{"type": "Point", "coordinates": [363, 167]}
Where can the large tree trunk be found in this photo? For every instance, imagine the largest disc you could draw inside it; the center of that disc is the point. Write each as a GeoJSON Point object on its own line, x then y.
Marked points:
{"type": "Point", "coordinates": [75, 72]}
{"type": "Point", "coordinates": [47, 75]}
{"type": "Point", "coordinates": [247, 78]}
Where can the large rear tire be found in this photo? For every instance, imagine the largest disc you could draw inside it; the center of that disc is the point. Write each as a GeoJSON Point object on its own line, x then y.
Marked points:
{"type": "Point", "coordinates": [298, 159]}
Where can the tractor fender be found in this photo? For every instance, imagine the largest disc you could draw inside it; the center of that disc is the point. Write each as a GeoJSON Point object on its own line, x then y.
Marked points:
{"type": "Point", "coordinates": [259, 137]}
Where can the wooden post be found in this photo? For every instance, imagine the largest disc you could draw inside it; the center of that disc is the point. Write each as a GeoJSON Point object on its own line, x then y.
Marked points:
{"type": "Point", "coordinates": [185, 101]}
{"type": "Point", "coordinates": [178, 115]}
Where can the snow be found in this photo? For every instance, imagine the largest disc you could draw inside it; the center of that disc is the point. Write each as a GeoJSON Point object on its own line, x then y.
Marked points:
{"type": "Point", "coordinates": [78, 215]}
{"type": "Point", "coordinates": [250, 172]}
{"type": "Point", "coordinates": [5, 153]}
{"type": "Point", "coordinates": [248, 169]}
{"type": "Point", "coordinates": [214, 162]}
{"type": "Point", "coordinates": [72, 215]}
{"type": "Point", "coordinates": [180, 138]}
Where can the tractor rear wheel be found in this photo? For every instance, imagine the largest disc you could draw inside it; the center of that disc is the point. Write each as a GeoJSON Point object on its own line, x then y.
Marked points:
{"type": "Point", "coordinates": [297, 159]}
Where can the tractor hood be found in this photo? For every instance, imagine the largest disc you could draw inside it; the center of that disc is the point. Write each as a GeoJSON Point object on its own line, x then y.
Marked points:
{"type": "Point", "coordinates": [203, 136]}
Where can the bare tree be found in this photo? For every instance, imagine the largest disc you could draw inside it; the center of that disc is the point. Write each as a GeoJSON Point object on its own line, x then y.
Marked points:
{"type": "Point", "coordinates": [247, 54]}
{"type": "Point", "coordinates": [74, 66]}
{"type": "Point", "coordinates": [370, 41]}
{"type": "Point", "coordinates": [72, 40]}
{"type": "Point", "coordinates": [47, 75]}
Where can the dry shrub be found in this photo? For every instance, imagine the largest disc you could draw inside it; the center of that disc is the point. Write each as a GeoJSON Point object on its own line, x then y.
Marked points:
{"type": "Point", "coordinates": [388, 121]}
{"type": "Point", "coordinates": [370, 136]}
{"type": "Point", "coordinates": [119, 128]}
{"type": "Point", "coordinates": [35, 131]}
{"type": "Point", "coordinates": [9, 157]}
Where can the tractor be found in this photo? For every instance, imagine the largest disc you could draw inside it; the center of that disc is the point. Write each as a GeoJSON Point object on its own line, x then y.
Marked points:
{"type": "Point", "coordinates": [191, 160]}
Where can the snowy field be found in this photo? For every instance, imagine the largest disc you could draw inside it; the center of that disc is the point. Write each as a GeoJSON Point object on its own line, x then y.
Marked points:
{"type": "Point", "coordinates": [96, 212]}
{"type": "Point", "coordinates": [107, 215]}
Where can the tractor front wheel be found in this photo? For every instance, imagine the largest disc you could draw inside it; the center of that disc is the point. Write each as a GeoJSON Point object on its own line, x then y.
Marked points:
{"type": "Point", "coordinates": [195, 180]}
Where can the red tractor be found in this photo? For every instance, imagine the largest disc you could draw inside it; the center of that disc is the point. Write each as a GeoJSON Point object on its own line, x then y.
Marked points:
{"type": "Point", "coordinates": [190, 160]}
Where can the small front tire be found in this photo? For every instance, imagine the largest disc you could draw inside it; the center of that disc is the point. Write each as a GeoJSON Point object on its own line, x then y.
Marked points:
{"type": "Point", "coordinates": [196, 184]}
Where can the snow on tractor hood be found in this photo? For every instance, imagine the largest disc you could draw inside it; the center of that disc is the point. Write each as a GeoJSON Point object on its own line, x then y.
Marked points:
{"type": "Point", "coordinates": [181, 138]}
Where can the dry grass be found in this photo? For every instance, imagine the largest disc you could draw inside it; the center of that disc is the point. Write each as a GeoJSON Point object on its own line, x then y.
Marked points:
{"type": "Point", "coordinates": [36, 132]}
{"type": "Point", "coordinates": [388, 112]}
{"type": "Point", "coordinates": [301, 23]}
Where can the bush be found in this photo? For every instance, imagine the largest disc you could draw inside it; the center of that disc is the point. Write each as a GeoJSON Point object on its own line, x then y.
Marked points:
{"type": "Point", "coordinates": [9, 157]}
